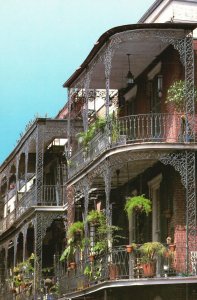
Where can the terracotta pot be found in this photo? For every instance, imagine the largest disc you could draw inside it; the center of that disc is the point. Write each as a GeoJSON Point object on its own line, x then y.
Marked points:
{"type": "Point", "coordinates": [13, 290]}
{"type": "Point", "coordinates": [113, 272]}
{"type": "Point", "coordinates": [166, 254]}
{"type": "Point", "coordinates": [91, 258]}
{"type": "Point", "coordinates": [172, 247]}
{"type": "Point", "coordinates": [149, 269]}
{"type": "Point", "coordinates": [72, 265]}
{"type": "Point", "coordinates": [48, 282]}
{"type": "Point", "coordinates": [129, 248]}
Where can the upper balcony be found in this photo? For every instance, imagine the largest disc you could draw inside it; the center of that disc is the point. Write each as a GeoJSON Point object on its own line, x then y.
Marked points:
{"type": "Point", "coordinates": [52, 196]}
{"type": "Point", "coordinates": [34, 173]}
{"type": "Point", "coordinates": [135, 65]}
{"type": "Point", "coordinates": [141, 129]}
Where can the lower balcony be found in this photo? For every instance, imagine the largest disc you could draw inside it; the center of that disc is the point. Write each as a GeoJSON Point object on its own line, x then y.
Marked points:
{"type": "Point", "coordinates": [121, 268]}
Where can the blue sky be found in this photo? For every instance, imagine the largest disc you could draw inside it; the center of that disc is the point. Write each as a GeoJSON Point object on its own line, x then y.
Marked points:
{"type": "Point", "coordinates": [42, 42]}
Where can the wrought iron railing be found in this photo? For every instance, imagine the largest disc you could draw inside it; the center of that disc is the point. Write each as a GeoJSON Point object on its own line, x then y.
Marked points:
{"type": "Point", "coordinates": [118, 264]}
{"type": "Point", "coordinates": [83, 157]}
{"type": "Point", "coordinates": [144, 128]}
{"type": "Point", "coordinates": [52, 195]}
{"type": "Point", "coordinates": [154, 128]}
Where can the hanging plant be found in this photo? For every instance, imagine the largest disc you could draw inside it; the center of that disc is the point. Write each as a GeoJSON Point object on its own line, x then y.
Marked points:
{"type": "Point", "coordinates": [77, 228]}
{"type": "Point", "coordinates": [75, 241]}
{"type": "Point", "coordinates": [95, 217]}
{"type": "Point", "coordinates": [138, 204]}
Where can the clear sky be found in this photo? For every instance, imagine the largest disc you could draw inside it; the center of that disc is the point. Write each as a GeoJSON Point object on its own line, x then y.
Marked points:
{"type": "Point", "coordinates": [42, 42]}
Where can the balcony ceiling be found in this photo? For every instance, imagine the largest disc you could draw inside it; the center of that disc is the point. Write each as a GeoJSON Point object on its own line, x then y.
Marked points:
{"type": "Point", "coordinates": [125, 173]}
{"type": "Point", "coordinates": [142, 52]}
{"type": "Point", "coordinates": [144, 49]}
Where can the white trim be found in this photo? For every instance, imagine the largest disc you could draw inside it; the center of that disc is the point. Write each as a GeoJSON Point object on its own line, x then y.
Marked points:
{"type": "Point", "coordinates": [154, 186]}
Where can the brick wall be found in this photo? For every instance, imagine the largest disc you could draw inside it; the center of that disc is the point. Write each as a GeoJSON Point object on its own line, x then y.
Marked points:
{"type": "Point", "coordinates": [171, 70]}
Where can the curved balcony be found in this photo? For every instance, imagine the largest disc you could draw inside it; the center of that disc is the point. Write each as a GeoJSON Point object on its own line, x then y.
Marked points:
{"type": "Point", "coordinates": [118, 267]}
{"type": "Point", "coordinates": [134, 129]}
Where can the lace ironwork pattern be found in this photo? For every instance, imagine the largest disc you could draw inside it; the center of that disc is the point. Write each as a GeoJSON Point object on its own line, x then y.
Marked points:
{"type": "Point", "coordinates": [84, 186]}
{"type": "Point", "coordinates": [184, 163]}
{"type": "Point", "coordinates": [41, 222]}
{"type": "Point", "coordinates": [107, 175]}
{"type": "Point", "coordinates": [15, 247]}
{"type": "Point", "coordinates": [189, 87]}
{"type": "Point", "coordinates": [39, 161]}
{"type": "Point", "coordinates": [24, 232]}
{"type": "Point", "coordinates": [85, 110]}
{"type": "Point", "coordinates": [70, 204]}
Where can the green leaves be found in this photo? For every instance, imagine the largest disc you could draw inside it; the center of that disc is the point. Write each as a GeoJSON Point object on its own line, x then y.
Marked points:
{"type": "Point", "coordinates": [75, 240]}
{"type": "Point", "coordinates": [85, 137]}
{"type": "Point", "coordinates": [139, 204]}
{"type": "Point", "coordinates": [95, 217]}
{"type": "Point", "coordinates": [75, 228]}
{"type": "Point", "coordinates": [176, 95]}
{"type": "Point", "coordinates": [152, 249]}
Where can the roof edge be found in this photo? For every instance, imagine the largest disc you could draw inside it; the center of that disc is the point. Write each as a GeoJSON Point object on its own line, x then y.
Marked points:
{"type": "Point", "coordinates": [150, 11]}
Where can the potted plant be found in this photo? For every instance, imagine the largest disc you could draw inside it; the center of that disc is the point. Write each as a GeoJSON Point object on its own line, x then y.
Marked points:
{"type": "Point", "coordinates": [170, 244]}
{"type": "Point", "coordinates": [139, 204]}
{"type": "Point", "coordinates": [95, 217]}
{"type": "Point", "coordinates": [91, 257]}
{"type": "Point", "coordinates": [130, 248]}
{"type": "Point", "coordinates": [150, 251]}
{"type": "Point", "coordinates": [172, 247]}
{"type": "Point", "coordinates": [176, 95]}
{"type": "Point", "coordinates": [84, 138]}
{"type": "Point", "coordinates": [22, 276]}
{"type": "Point", "coordinates": [76, 230]}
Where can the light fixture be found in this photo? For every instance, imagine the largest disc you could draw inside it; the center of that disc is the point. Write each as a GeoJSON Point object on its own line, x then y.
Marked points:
{"type": "Point", "coordinates": [160, 85]}
{"type": "Point", "coordinates": [130, 77]}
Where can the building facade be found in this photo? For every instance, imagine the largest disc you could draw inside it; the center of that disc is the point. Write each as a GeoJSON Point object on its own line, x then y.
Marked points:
{"type": "Point", "coordinates": [127, 133]}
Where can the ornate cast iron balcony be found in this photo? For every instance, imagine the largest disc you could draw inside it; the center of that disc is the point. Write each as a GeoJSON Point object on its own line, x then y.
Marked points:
{"type": "Point", "coordinates": [134, 129]}
{"type": "Point", "coordinates": [118, 265]}
{"type": "Point", "coordinates": [52, 195]}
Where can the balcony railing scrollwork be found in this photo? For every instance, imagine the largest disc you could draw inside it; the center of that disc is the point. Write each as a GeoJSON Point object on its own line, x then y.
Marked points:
{"type": "Point", "coordinates": [118, 264]}
{"type": "Point", "coordinates": [52, 195]}
{"type": "Point", "coordinates": [133, 129]}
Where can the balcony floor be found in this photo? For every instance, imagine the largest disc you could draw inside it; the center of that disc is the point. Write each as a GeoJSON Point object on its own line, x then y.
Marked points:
{"type": "Point", "coordinates": [129, 283]}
